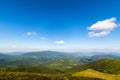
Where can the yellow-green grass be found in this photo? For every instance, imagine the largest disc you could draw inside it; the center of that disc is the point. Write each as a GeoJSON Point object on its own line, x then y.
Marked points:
{"type": "Point", "coordinates": [95, 74]}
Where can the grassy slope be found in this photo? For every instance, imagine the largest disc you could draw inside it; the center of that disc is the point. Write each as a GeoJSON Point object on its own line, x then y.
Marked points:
{"type": "Point", "coordinates": [83, 75]}
{"type": "Point", "coordinates": [35, 76]}
{"type": "Point", "coordinates": [111, 66]}
{"type": "Point", "coordinates": [26, 76]}
{"type": "Point", "coordinates": [95, 74]}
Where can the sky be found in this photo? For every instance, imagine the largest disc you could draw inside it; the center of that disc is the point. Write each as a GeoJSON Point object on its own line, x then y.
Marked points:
{"type": "Point", "coordinates": [63, 25]}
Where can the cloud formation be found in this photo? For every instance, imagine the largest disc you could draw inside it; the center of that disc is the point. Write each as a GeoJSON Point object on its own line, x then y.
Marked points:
{"type": "Point", "coordinates": [102, 28]}
{"type": "Point", "coordinates": [59, 42]}
{"type": "Point", "coordinates": [31, 33]}
{"type": "Point", "coordinates": [13, 46]}
{"type": "Point", "coordinates": [43, 38]}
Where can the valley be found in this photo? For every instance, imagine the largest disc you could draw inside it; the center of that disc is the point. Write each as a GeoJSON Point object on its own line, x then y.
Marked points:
{"type": "Point", "coordinates": [52, 65]}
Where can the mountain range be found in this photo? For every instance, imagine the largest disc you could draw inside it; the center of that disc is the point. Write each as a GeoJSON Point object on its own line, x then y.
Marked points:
{"type": "Point", "coordinates": [53, 65]}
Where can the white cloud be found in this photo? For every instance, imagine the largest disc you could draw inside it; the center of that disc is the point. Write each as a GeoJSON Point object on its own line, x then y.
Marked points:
{"type": "Point", "coordinates": [60, 42]}
{"type": "Point", "coordinates": [31, 33]}
{"type": "Point", "coordinates": [102, 28]}
{"type": "Point", "coordinates": [43, 38]}
{"type": "Point", "coordinates": [13, 46]}
{"type": "Point", "coordinates": [98, 34]}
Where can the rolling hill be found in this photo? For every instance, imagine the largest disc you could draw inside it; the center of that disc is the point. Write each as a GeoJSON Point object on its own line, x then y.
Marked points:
{"type": "Point", "coordinates": [111, 66]}
{"type": "Point", "coordinates": [95, 74]}
{"type": "Point", "coordinates": [50, 65]}
{"type": "Point", "coordinates": [83, 75]}
{"type": "Point", "coordinates": [3, 56]}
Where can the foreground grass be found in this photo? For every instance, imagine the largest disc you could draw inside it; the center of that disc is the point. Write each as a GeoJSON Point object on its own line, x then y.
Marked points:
{"type": "Point", "coordinates": [95, 74]}
{"type": "Point", "coordinates": [36, 76]}
{"type": "Point", "coordinates": [27, 76]}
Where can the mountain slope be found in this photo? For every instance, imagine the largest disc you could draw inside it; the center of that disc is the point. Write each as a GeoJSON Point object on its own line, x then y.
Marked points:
{"type": "Point", "coordinates": [40, 70]}
{"type": "Point", "coordinates": [111, 66]}
{"type": "Point", "coordinates": [95, 74]}
{"type": "Point", "coordinates": [83, 75]}
{"type": "Point", "coordinates": [2, 56]}
{"type": "Point", "coordinates": [45, 53]}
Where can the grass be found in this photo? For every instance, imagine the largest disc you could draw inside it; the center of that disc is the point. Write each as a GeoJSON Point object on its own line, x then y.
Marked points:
{"type": "Point", "coordinates": [95, 74]}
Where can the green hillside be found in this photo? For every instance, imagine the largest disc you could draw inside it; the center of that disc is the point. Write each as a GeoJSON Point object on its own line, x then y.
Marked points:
{"type": "Point", "coordinates": [111, 66]}
{"type": "Point", "coordinates": [97, 70]}
{"type": "Point", "coordinates": [58, 66]}
{"type": "Point", "coordinates": [83, 75]}
{"type": "Point", "coordinates": [40, 69]}
{"type": "Point", "coordinates": [95, 74]}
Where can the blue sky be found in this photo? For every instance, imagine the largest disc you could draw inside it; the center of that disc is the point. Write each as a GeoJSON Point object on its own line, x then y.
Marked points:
{"type": "Point", "coordinates": [65, 25]}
